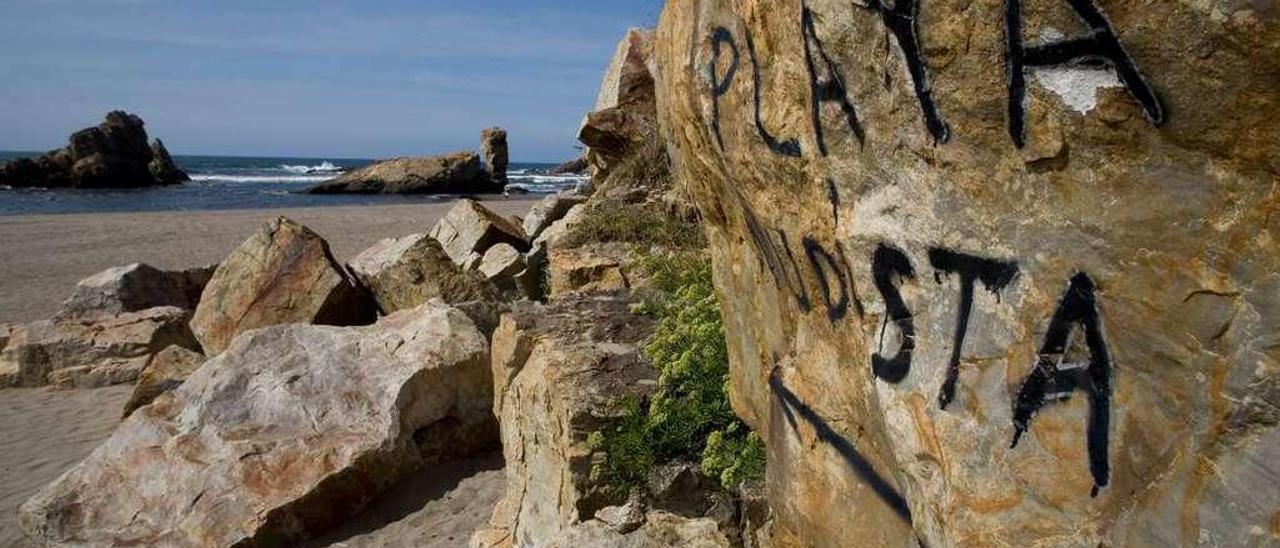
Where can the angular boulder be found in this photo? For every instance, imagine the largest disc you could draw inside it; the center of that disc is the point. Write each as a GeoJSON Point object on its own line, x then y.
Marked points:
{"type": "Point", "coordinates": [114, 154]}
{"type": "Point", "coordinates": [624, 115]}
{"type": "Point", "coordinates": [164, 372]}
{"type": "Point", "coordinates": [283, 274]}
{"type": "Point", "coordinates": [470, 228]}
{"type": "Point", "coordinates": [548, 211]}
{"type": "Point", "coordinates": [132, 288]}
{"type": "Point", "coordinates": [656, 529]}
{"type": "Point", "coordinates": [494, 149]}
{"type": "Point", "coordinates": [992, 287]}
{"type": "Point", "coordinates": [404, 273]}
{"type": "Point", "coordinates": [501, 264]}
{"type": "Point", "coordinates": [589, 268]}
{"type": "Point", "coordinates": [560, 373]}
{"type": "Point", "coordinates": [460, 172]}
{"type": "Point", "coordinates": [572, 167]}
{"type": "Point", "coordinates": [91, 353]}
{"type": "Point", "coordinates": [287, 433]}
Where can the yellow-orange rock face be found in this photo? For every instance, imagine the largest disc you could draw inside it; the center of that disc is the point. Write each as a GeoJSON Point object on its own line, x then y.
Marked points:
{"type": "Point", "coordinates": [997, 273]}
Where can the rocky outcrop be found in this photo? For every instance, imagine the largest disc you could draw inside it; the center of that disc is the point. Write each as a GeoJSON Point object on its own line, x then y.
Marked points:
{"type": "Point", "coordinates": [283, 274]}
{"type": "Point", "coordinates": [560, 373]}
{"type": "Point", "coordinates": [404, 273]}
{"type": "Point", "coordinates": [572, 167]}
{"type": "Point", "coordinates": [624, 115]}
{"type": "Point", "coordinates": [91, 353]}
{"type": "Point", "coordinates": [460, 172]}
{"type": "Point", "coordinates": [501, 265]}
{"type": "Point", "coordinates": [164, 372]}
{"type": "Point", "coordinates": [654, 529]}
{"type": "Point", "coordinates": [288, 432]}
{"type": "Point", "coordinates": [135, 287]}
{"type": "Point", "coordinates": [493, 147]}
{"type": "Point", "coordinates": [470, 229]}
{"type": "Point", "coordinates": [589, 268]}
{"type": "Point", "coordinates": [114, 154]}
{"type": "Point", "coordinates": [990, 287]}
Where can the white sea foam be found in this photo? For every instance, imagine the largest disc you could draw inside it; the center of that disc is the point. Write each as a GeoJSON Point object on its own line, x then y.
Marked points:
{"type": "Point", "coordinates": [222, 178]}
{"type": "Point", "coordinates": [323, 167]}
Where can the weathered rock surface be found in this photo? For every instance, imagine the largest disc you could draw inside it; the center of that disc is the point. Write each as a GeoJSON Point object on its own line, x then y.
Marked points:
{"type": "Point", "coordinates": [501, 264]}
{"type": "Point", "coordinates": [288, 432]}
{"type": "Point", "coordinates": [560, 373]}
{"type": "Point", "coordinates": [658, 529]}
{"type": "Point", "coordinates": [164, 372]}
{"type": "Point", "coordinates": [589, 268]}
{"type": "Point", "coordinates": [404, 273]}
{"type": "Point", "coordinates": [460, 172]}
{"type": "Point", "coordinates": [494, 149]}
{"type": "Point", "coordinates": [962, 316]}
{"type": "Point", "coordinates": [282, 274]}
{"type": "Point", "coordinates": [114, 154]}
{"type": "Point", "coordinates": [577, 165]}
{"type": "Point", "coordinates": [135, 287]}
{"type": "Point", "coordinates": [470, 229]}
{"type": "Point", "coordinates": [91, 353]}
{"type": "Point", "coordinates": [548, 211]}
{"type": "Point", "coordinates": [624, 113]}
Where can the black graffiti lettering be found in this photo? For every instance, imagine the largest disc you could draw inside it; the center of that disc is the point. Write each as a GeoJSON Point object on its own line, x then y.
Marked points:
{"type": "Point", "coordinates": [993, 274]}
{"type": "Point", "coordinates": [795, 282]}
{"type": "Point", "coordinates": [719, 87]}
{"type": "Point", "coordinates": [901, 20]}
{"type": "Point", "coordinates": [886, 263]}
{"type": "Point", "coordinates": [829, 272]}
{"type": "Point", "coordinates": [1053, 380]}
{"type": "Point", "coordinates": [790, 147]}
{"type": "Point", "coordinates": [829, 88]}
{"type": "Point", "coordinates": [1099, 46]}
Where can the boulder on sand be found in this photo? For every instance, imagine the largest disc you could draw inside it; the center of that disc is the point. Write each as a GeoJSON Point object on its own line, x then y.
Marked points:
{"type": "Point", "coordinates": [287, 433]}
{"type": "Point", "coordinates": [91, 353]}
{"type": "Point", "coordinates": [560, 373]}
{"type": "Point", "coordinates": [404, 273]}
{"type": "Point", "coordinates": [283, 274]}
{"type": "Point", "coordinates": [135, 287]}
{"type": "Point", "coordinates": [460, 172]}
{"type": "Point", "coordinates": [493, 146]}
{"type": "Point", "coordinates": [166, 371]}
{"type": "Point", "coordinates": [472, 228]}
{"type": "Point", "coordinates": [114, 154]}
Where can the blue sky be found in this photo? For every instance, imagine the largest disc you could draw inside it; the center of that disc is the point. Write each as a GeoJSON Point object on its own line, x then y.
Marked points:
{"type": "Point", "coordinates": [311, 78]}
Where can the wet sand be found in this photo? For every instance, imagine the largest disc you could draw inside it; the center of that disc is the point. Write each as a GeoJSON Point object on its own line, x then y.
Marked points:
{"type": "Point", "coordinates": [43, 256]}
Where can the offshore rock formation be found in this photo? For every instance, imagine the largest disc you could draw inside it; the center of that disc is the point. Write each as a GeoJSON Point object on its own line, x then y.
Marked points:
{"type": "Point", "coordinates": [288, 432]}
{"type": "Point", "coordinates": [456, 173]}
{"type": "Point", "coordinates": [115, 154]}
{"type": "Point", "coordinates": [282, 274]}
{"type": "Point", "coordinates": [993, 274]}
{"type": "Point", "coordinates": [493, 147]}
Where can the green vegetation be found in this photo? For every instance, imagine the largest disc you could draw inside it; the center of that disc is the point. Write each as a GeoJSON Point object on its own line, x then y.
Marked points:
{"type": "Point", "coordinates": [689, 417]}
{"type": "Point", "coordinates": [609, 221]}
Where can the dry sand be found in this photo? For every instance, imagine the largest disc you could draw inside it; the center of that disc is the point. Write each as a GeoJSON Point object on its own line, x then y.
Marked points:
{"type": "Point", "coordinates": [43, 432]}
{"type": "Point", "coordinates": [43, 256]}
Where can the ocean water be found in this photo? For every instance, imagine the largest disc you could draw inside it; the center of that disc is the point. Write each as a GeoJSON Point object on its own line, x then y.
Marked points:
{"type": "Point", "coordinates": [225, 182]}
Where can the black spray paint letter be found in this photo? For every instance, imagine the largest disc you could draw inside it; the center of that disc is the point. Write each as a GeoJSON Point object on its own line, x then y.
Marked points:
{"type": "Point", "coordinates": [886, 263]}
{"type": "Point", "coordinates": [719, 87]}
{"type": "Point", "coordinates": [1099, 46]}
{"type": "Point", "coordinates": [830, 272]}
{"type": "Point", "coordinates": [790, 147]}
{"type": "Point", "coordinates": [994, 275]}
{"type": "Point", "coordinates": [1052, 380]}
{"type": "Point", "coordinates": [901, 21]}
{"type": "Point", "coordinates": [829, 88]}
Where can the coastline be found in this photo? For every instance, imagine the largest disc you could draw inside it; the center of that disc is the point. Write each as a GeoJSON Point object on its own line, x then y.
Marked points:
{"type": "Point", "coordinates": [46, 254]}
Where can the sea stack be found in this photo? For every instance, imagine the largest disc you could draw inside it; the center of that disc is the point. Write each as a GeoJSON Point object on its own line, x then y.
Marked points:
{"type": "Point", "coordinates": [493, 147]}
{"type": "Point", "coordinates": [115, 154]}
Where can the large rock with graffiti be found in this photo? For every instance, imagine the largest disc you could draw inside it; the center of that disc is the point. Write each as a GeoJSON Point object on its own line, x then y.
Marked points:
{"type": "Point", "coordinates": [994, 273]}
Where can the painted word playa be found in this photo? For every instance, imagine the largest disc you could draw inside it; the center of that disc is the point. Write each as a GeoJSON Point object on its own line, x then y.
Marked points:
{"type": "Point", "coordinates": [994, 272]}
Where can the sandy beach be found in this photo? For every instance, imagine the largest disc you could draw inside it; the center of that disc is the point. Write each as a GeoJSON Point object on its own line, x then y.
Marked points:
{"type": "Point", "coordinates": [43, 256]}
